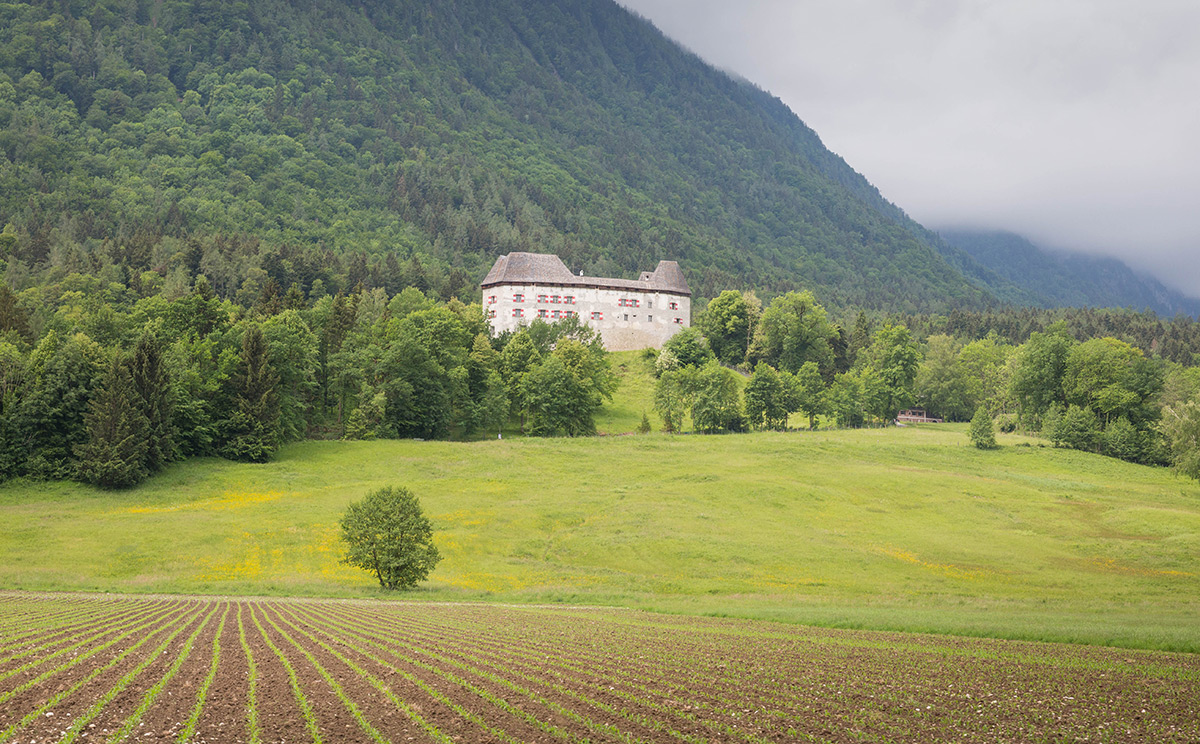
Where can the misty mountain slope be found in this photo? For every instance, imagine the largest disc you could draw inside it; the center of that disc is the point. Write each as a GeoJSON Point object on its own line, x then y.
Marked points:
{"type": "Point", "coordinates": [1069, 279]}
{"type": "Point", "coordinates": [452, 132]}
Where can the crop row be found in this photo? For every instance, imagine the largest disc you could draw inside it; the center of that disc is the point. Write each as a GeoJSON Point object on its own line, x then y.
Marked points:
{"type": "Point", "coordinates": [198, 669]}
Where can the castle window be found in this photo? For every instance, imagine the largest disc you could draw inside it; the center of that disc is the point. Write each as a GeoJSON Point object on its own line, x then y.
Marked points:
{"type": "Point", "coordinates": [674, 305]}
{"type": "Point", "coordinates": [554, 299]}
{"type": "Point", "coordinates": [635, 303]}
{"type": "Point", "coordinates": [679, 321]}
{"type": "Point", "coordinates": [649, 318]}
{"type": "Point", "coordinates": [569, 300]}
{"type": "Point", "coordinates": [541, 298]}
{"type": "Point", "coordinates": [568, 313]}
{"type": "Point", "coordinates": [518, 298]}
{"type": "Point", "coordinates": [491, 313]}
{"type": "Point", "coordinates": [492, 300]}
{"type": "Point", "coordinates": [556, 314]}
{"type": "Point", "coordinates": [518, 312]}
{"type": "Point", "coordinates": [541, 312]}
{"type": "Point", "coordinates": [597, 316]}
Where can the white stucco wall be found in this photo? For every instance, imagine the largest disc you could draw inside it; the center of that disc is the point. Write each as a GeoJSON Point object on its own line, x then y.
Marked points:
{"type": "Point", "coordinates": [622, 328]}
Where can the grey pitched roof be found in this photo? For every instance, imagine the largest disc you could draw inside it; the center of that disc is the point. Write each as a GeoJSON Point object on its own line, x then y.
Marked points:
{"type": "Point", "coordinates": [547, 268]}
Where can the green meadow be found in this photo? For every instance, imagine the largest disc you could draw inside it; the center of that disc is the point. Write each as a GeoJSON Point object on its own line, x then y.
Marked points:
{"type": "Point", "coordinates": [902, 528]}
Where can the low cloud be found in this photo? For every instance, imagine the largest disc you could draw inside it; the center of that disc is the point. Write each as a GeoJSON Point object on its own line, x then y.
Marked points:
{"type": "Point", "coordinates": [1073, 122]}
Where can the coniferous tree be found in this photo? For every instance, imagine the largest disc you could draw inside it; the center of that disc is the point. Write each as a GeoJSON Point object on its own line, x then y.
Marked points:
{"type": "Point", "coordinates": [153, 387]}
{"type": "Point", "coordinates": [114, 454]}
{"type": "Point", "coordinates": [13, 318]}
{"type": "Point", "coordinates": [253, 427]}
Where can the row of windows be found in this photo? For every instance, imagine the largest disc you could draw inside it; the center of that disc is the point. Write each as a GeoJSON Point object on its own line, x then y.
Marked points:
{"type": "Point", "coordinates": [570, 300]}
{"type": "Point", "coordinates": [543, 313]}
{"type": "Point", "coordinates": [519, 312]}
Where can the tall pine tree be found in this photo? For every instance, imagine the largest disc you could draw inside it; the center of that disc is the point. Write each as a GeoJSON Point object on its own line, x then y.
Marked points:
{"type": "Point", "coordinates": [114, 454]}
{"type": "Point", "coordinates": [153, 387]}
{"type": "Point", "coordinates": [253, 433]}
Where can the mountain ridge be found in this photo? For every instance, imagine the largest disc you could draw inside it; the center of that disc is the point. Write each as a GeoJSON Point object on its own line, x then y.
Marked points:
{"type": "Point", "coordinates": [452, 134]}
{"type": "Point", "coordinates": [1055, 278]}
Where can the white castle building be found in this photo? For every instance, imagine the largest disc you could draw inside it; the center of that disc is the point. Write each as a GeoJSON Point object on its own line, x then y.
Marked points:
{"type": "Point", "coordinates": [629, 314]}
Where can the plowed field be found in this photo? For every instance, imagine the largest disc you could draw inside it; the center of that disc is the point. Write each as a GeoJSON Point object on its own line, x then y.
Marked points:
{"type": "Point", "coordinates": [237, 670]}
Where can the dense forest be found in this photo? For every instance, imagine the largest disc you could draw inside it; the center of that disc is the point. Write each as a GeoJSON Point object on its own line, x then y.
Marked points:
{"type": "Point", "coordinates": [180, 137]}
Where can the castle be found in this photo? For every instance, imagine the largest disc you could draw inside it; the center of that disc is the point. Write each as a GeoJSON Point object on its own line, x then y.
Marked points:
{"type": "Point", "coordinates": [629, 314]}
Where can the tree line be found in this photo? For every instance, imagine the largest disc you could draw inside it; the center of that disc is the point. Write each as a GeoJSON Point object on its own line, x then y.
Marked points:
{"type": "Point", "coordinates": [1100, 394]}
{"type": "Point", "coordinates": [110, 391]}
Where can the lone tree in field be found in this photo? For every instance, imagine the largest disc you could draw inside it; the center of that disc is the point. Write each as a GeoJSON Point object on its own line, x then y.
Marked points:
{"type": "Point", "coordinates": [386, 533]}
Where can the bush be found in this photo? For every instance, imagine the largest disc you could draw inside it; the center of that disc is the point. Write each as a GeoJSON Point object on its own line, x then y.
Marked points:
{"type": "Point", "coordinates": [1078, 429]}
{"type": "Point", "coordinates": [387, 534]}
{"type": "Point", "coordinates": [1007, 422]}
{"type": "Point", "coordinates": [981, 433]}
{"type": "Point", "coordinates": [1123, 441]}
{"type": "Point", "coordinates": [644, 427]}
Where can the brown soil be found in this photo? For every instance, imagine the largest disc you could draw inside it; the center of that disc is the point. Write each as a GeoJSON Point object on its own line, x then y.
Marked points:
{"type": "Point", "coordinates": [581, 674]}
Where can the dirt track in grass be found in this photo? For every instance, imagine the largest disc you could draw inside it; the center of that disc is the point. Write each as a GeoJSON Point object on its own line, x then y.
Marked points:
{"type": "Point", "coordinates": [81, 668]}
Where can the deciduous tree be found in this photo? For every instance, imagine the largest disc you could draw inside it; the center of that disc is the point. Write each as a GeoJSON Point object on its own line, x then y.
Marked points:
{"type": "Point", "coordinates": [389, 535]}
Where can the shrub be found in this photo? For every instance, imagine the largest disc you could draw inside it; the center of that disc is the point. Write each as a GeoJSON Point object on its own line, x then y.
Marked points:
{"type": "Point", "coordinates": [387, 534]}
{"type": "Point", "coordinates": [1123, 441]}
{"type": "Point", "coordinates": [1007, 422]}
{"type": "Point", "coordinates": [981, 433]}
{"type": "Point", "coordinates": [1078, 429]}
{"type": "Point", "coordinates": [644, 427]}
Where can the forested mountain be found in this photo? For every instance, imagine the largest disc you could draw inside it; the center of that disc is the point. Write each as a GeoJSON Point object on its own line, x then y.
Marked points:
{"type": "Point", "coordinates": [1053, 279]}
{"type": "Point", "coordinates": [397, 143]}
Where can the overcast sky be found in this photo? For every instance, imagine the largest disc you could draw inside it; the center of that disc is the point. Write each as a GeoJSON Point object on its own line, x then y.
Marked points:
{"type": "Point", "coordinates": [1073, 122]}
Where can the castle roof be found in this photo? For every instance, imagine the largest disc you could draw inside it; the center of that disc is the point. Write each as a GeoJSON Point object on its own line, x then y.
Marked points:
{"type": "Point", "coordinates": [547, 268]}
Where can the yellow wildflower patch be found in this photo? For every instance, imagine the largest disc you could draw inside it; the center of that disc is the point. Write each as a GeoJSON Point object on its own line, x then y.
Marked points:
{"type": "Point", "coordinates": [230, 500]}
{"type": "Point", "coordinates": [945, 569]}
{"type": "Point", "coordinates": [1111, 565]}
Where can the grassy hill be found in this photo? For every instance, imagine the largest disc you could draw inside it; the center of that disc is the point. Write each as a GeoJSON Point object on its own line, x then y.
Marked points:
{"type": "Point", "coordinates": [905, 529]}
